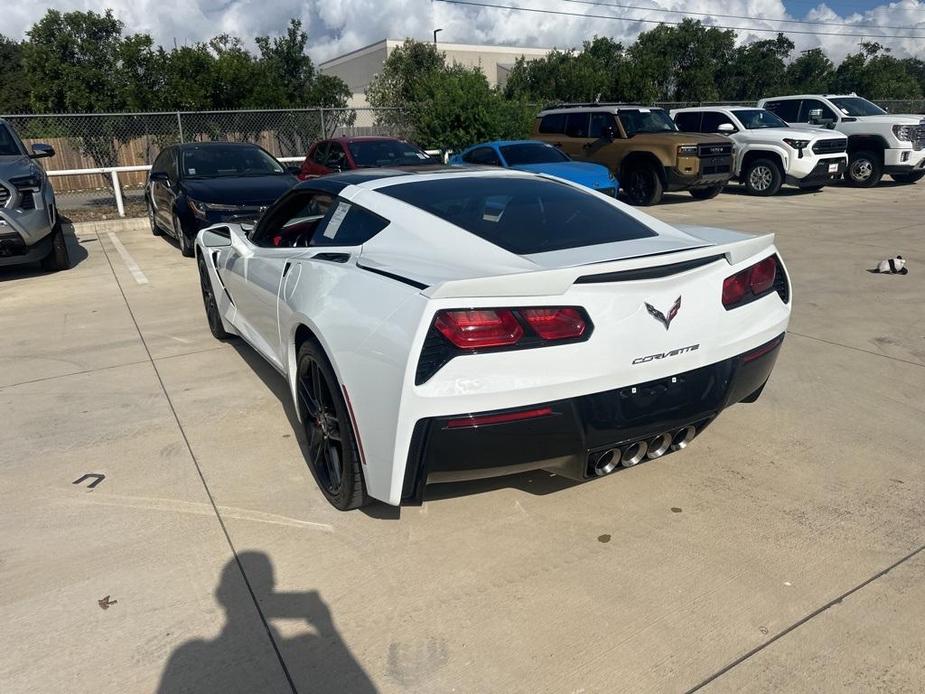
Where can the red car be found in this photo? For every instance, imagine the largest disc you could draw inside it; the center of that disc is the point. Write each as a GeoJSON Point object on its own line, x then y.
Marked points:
{"type": "Point", "coordinates": [346, 153]}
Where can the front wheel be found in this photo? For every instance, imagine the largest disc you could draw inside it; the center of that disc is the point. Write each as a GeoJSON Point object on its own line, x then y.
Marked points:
{"type": "Point", "coordinates": [186, 245]}
{"type": "Point", "coordinates": [213, 315]}
{"type": "Point", "coordinates": [908, 177]}
{"type": "Point", "coordinates": [332, 451]}
{"type": "Point", "coordinates": [864, 169]}
{"type": "Point", "coordinates": [58, 258]}
{"type": "Point", "coordinates": [762, 177]}
{"type": "Point", "coordinates": [643, 186]}
{"type": "Point", "coordinates": [706, 193]}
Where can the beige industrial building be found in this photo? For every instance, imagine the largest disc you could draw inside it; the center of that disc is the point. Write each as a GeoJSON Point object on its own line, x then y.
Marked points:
{"type": "Point", "coordinates": [358, 67]}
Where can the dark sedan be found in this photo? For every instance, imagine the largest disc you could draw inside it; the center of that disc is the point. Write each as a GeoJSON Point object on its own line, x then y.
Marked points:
{"type": "Point", "coordinates": [192, 186]}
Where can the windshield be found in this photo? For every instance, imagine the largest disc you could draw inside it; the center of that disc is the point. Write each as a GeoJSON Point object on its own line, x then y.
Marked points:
{"type": "Point", "coordinates": [8, 146]}
{"type": "Point", "coordinates": [856, 106]}
{"type": "Point", "coordinates": [377, 153]}
{"type": "Point", "coordinates": [213, 161]}
{"type": "Point", "coordinates": [756, 118]}
{"type": "Point", "coordinates": [521, 215]}
{"type": "Point", "coordinates": [648, 120]}
{"type": "Point", "coordinates": [532, 153]}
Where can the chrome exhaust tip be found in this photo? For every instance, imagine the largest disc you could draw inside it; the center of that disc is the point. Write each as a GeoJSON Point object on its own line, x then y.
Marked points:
{"type": "Point", "coordinates": [658, 446]}
{"type": "Point", "coordinates": [682, 437]}
{"type": "Point", "coordinates": [606, 462]}
{"type": "Point", "coordinates": [634, 453]}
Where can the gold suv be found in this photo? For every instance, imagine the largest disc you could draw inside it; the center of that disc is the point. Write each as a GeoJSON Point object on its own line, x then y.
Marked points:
{"type": "Point", "coordinates": [641, 146]}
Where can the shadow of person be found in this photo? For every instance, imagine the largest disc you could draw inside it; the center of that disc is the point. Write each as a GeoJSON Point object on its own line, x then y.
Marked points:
{"type": "Point", "coordinates": [250, 655]}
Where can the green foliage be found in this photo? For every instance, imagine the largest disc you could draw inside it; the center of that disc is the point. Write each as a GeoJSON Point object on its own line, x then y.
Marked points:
{"type": "Point", "coordinates": [287, 73]}
{"type": "Point", "coordinates": [14, 89]}
{"type": "Point", "coordinates": [680, 63]}
{"type": "Point", "coordinates": [757, 69]}
{"type": "Point", "coordinates": [404, 74]}
{"type": "Point", "coordinates": [811, 73]}
{"type": "Point", "coordinates": [875, 74]}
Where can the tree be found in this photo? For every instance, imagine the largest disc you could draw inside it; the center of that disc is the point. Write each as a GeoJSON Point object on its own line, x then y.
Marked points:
{"type": "Point", "coordinates": [401, 82]}
{"type": "Point", "coordinates": [457, 107]}
{"type": "Point", "coordinates": [757, 69]}
{"type": "Point", "coordinates": [14, 87]}
{"type": "Point", "coordinates": [287, 73]}
{"type": "Point", "coordinates": [811, 73]}
{"type": "Point", "coordinates": [680, 63]}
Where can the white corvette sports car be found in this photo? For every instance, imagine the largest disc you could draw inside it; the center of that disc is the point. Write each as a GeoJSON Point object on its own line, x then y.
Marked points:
{"type": "Point", "coordinates": [457, 323]}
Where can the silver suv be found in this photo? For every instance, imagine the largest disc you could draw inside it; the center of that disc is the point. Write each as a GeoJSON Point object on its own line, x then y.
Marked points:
{"type": "Point", "coordinates": [30, 230]}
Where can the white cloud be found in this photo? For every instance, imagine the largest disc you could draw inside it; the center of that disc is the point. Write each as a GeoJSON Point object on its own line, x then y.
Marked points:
{"type": "Point", "coordinates": [339, 26]}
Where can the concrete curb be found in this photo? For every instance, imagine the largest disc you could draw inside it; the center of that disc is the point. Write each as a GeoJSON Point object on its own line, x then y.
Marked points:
{"type": "Point", "coordinates": [116, 225]}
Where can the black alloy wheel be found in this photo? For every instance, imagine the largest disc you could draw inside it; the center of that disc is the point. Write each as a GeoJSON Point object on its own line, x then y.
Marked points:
{"type": "Point", "coordinates": [643, 186]}
{"type": "Point", "coordinates": [332, 450]}
{"type": "Point", "coordinates": [211, 305]}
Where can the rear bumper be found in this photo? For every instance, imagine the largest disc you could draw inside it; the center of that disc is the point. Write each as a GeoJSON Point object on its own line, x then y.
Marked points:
{"type": "Point", "coordinates": [563, 436]}
{"type": "Point", "coordinates": [821, 173]}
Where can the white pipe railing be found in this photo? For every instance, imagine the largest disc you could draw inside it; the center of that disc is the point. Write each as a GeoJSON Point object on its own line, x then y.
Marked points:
{"type": "Point", "coordinates": [114, 172]}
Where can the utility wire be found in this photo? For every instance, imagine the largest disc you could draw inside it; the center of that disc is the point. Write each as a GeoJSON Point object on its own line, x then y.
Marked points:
{"type": "Point", "coordinates": [739, 16]}
{"type": "Point", "coordinates": [580, 15]}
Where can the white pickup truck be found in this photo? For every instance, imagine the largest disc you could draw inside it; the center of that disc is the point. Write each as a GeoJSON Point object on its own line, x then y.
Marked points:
{"type": "Point", "coordinates": [768, 151]}
{"type": "Point", "coordinates": [878, 142]}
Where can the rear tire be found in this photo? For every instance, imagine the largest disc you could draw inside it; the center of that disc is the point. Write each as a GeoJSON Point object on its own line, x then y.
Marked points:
{"type": "Point", "coordinates": [908, 177]}
{"type": "Point", "coordinates": [155, 229]}
{"type": "Point", "coordinates": [333, 456]}
{"type": "Point", "coordinates": [58, 258]}
{"type": "Point", "coordinates": [210, 303]}
{"type": "Point", "coordinates": [762, 177]}
{"type": "Point", "coordinates": [865, 169]}
{"type": "Point", "coordinates": [706, 193]}
{"type": "Point", "coordinates": [643, 185]}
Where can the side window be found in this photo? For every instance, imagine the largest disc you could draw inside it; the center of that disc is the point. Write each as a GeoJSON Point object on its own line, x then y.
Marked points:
{"type": "Point", "coordinates": [599, 123]}
{"type": "Point", "coordinates": [337, 158]}
{"type": "Point", "coordinates": [482, 155]}
{"type": "Point", "coordinates": [160, 164]}
{"type": "Point", "coordinates": [688, 121]}
{"type": "Point", "coordinates": [321, 153]}
{"type": "Point", "coordinates": [810, 105]}
{"type": "Point", "coordinates": [347, 224]}
{"type": "Point", "coordinates": [787, 109]}
{"type": "Point", "coordinates": [712, 120]}
{"type": "Point", "coordinates": [554, 124]}
{"type": "Point", "coordinates": [294, 222]}
{"type": "Point", "coordinates": [576, 124]}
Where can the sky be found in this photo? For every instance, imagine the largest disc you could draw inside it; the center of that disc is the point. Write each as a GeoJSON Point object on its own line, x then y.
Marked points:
{"type": "Point", "coordinates": [339, 26]}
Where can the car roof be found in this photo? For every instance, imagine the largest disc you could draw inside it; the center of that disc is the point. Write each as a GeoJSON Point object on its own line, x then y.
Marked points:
{"type": "Point", "coordinates": [334, 183]}
{"type": "Point", "coordinates": [597, 108]}
{"type": "Point", "coordinates": [347, 139]}
{"type": "Point", "coordinates": [207, 145]}
{"type": "Point", "coordinates": [717, 107]}
{"type": "Point", "coordinates": [811, 96]}
{"type": "Point", "coordinates": [507, 143]}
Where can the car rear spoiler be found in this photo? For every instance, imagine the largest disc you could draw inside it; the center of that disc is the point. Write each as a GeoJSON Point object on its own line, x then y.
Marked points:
{"type": "Point", "coordinates": [558, 280]}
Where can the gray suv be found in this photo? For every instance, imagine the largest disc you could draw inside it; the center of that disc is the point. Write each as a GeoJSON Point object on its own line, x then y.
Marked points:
{"type": "Point", "coordinates": [30, 230]}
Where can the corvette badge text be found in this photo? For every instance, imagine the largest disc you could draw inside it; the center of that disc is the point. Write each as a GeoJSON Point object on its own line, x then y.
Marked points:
{"type": "Point", "coordinates": [665, 355]}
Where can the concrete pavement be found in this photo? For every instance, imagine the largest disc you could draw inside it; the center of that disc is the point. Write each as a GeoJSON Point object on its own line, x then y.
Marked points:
{"type": "Point", "coordinates": [780, 552]}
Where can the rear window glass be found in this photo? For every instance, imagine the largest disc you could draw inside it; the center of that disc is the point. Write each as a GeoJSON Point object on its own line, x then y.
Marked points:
{"type": "Point", "coordinates": [522, 215]}
{"type": "Point", "coordinates": [553, 123]}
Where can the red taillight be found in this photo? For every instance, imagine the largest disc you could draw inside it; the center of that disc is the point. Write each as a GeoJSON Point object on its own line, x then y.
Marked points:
{"type": "Point", "coordinates": [473, 421]}
{"type": "Point", "coordinates": [749, 283]}
{"type": "Point", "coordinates": [761, 277]}
{"type": "Point", "coordinates": [555, 323]}
{"type": "Point", "coordinates": [479, 328]}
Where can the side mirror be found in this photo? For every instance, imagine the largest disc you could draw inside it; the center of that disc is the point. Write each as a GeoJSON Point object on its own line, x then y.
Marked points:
{"type": "Point", "coordinates": [39, 151]}
{"type": "Point", "coordinates": [815, 116]}
{"type": "Point", "coordinates": [726, 128]}
{"type": "Point", "coordinates": [216, 239]}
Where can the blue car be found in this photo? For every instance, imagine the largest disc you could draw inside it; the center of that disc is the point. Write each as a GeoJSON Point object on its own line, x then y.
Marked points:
{"type": "Point", "coordinates": [538, 157]}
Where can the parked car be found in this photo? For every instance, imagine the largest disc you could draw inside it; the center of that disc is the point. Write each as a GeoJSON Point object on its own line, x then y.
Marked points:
{"type": "Point", "coordinates": [195, 185]}
{"type": "Point", "coordinates": [878, 142]}
{"type": "Point", "coordinates": [769, 152]}
{"type": "Point", "coordinates": [30, 230]}
{"type": "Point", "coordinates": [466, 323]}
{"type": "Point", "coordinates": [642, 147]}
{"type": "Point", "coordinates": [538, 157]}
{"type": "Point", "coordinates": [348, 153]}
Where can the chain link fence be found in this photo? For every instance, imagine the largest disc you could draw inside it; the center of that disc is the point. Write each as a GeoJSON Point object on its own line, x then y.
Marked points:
{"type": "Point", "coordinates": [98, 141]}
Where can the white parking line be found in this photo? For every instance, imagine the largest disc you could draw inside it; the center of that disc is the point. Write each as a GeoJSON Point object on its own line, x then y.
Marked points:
{"type": "Point", "coordinates": [128, 259]}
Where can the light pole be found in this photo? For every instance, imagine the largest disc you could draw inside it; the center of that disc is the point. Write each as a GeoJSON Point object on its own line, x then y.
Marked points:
{"type": "Point", "coordinates": [436, 31]}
